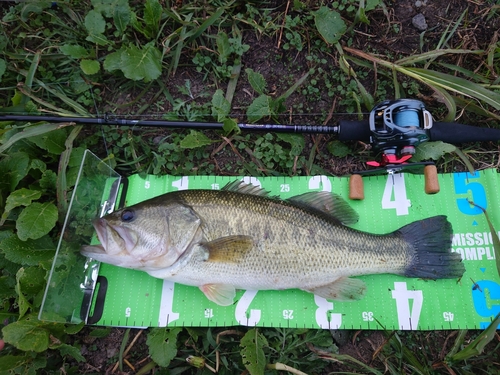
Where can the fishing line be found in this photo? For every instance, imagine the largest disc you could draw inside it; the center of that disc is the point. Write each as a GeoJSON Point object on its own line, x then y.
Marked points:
{"type": "Point", "coordinates": [150, 114]}
{"type": "Point", "coordinates": [108, 160]}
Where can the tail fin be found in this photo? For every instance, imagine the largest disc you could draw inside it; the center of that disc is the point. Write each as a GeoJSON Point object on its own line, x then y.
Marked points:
{"type": "Point", "coordinates": [432, 258]}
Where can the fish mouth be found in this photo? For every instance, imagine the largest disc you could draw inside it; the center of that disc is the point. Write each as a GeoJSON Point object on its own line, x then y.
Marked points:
{"type": "Point", "coordinates": [102, 233]}
{"type": "Point", "coordinates": [94, 251]}
{"type": "Point", "coordinates": [114, 238]}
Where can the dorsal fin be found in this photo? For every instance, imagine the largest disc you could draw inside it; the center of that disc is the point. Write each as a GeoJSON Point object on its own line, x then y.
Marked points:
{"type": "Point", "coordinates": [244, 188]}
{"type": "Point", "coordinates": [329, 203]}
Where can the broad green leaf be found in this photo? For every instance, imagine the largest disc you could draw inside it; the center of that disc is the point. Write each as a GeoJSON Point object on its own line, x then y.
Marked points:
{"type": "Point", "coordinates": [257, 81]}
{"type": "Point", "coordinates": [29, 132]}
{"type": "Point", "coordinates": [152, 16]}
{"type": "Point", "coordinates": [27, 335]}
{"type": "Point", "coordinates": [296, 141]}
{"type": "Point", "coordinates": [141, 64]}
{"type": "Point", "coordinates": [259, 108]}
{"type": "Point", "coordinates": [223, 46]}
{"type": "Point", "coordinates": [72, 351]}
{"type": "Point", "coordinates": [32, 280]}
{"type": "Point", "coordinates": [122, 16]}
{"type": "Point", "coordinates": [10, 362]}
{"type": "Point", "coordinates": [338, 149]}
{"type": "Point", "coordinates": [220, 106]}
{"type": "Point", "coordinates": [21, 197]}
{"type": "Point", "coordinates": [98, 39]}
{"type": "Point", "coordinates": [432, 150]}
{"type": "Point", "coordinates": [74, 50]}
{"type": "Point", "coordinates": [329, 24]}
{"type": "Point", "coordinates": [48, 181]}
{"type": "Point", "coordinates": [95, 23]}
{"type": "Point", "coordinates": [53, 142]}
{"type": "Point", "coordinates": [195, 139]}
{"type": "Point", "coordinates": [113, 61]}
{"type": "Point", "coordinates": [13, 168]}
{"type": "Point", "coordinates": [231, 125]}
{"type": "Point", "coordinates": [76, 157]}
{"type": "Point", "coordinates": [36, 220]}
{"type": "Point", "coordinates": [3, 67]}
{"type": "Point", "coordinates": [252, 352]}
{"type": "Point", "coordinates": [372, 4]}
{"type": "Point", "coordinates": [162, 343]}
{"type": "Point", "coordinates": [38, 164]}
{"type": "Point", "coordinates": [90, 66]}
{"type": "Point", "coordinates": [74, 328]}
{"type": "Point", "coordinates": [28, 253]}
{"type": "Point", "coordinates": [8, 267]}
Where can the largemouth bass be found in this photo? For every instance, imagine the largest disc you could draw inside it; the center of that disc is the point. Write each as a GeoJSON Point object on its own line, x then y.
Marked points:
{"type": "Point", "coordinates": [241, 238]}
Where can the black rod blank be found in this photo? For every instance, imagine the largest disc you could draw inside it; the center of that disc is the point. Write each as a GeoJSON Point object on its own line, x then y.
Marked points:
{"type": "Point", "coordinates": [173, 124]}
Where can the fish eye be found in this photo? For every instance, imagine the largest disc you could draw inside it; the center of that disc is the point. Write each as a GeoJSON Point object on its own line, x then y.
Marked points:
{"type": "Point", "coordinates": [127, 215]}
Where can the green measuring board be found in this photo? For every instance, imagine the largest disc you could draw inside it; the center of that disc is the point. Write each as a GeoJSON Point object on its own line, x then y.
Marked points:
{"type": "Point", "coordinates": [133, 298]}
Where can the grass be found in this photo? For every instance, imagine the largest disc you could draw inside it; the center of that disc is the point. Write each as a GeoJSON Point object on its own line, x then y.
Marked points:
{"type": "Point", "coordinates": [299, 62]}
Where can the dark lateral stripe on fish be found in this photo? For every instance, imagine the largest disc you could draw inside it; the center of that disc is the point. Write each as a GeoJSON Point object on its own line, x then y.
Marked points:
{"type": "Point", "coordinates": [432, 258]}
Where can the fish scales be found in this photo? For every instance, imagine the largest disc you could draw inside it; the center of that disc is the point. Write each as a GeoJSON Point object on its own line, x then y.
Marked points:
{"type": "Point", "coordinates": [289, 243]}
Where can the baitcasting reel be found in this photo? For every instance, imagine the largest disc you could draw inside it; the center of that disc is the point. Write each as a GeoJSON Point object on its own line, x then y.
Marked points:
{"type": "Point", "coordinates": [396, 128]}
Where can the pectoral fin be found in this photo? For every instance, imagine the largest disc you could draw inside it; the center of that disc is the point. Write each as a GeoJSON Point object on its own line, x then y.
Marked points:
{"type": "Point", "coordinates": [221, 294]}
{"type": "Point", "coordinates": [343, 289]}
{"type": "Point", "coordinates": [228, 249]}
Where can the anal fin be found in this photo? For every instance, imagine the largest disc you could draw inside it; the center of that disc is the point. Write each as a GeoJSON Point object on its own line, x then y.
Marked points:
{"type": "Point", "coordinates": [221, 294]}
{"type": "Point", "coordinates": [343, 289]}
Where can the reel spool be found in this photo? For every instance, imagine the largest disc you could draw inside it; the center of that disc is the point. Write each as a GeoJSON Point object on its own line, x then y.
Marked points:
{"type": "Point", "coordinates": [397, 127]}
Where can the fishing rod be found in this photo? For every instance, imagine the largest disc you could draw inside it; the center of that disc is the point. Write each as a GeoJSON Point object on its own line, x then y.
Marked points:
{"type": "Point", "coordinates": [389, 121]}
{"type": "Point", "coordinates": [394, 129]}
